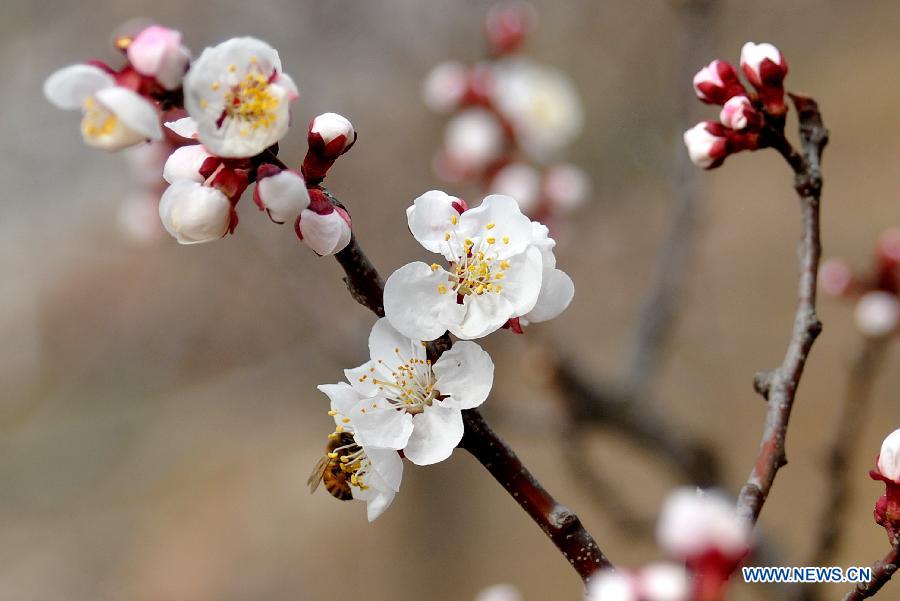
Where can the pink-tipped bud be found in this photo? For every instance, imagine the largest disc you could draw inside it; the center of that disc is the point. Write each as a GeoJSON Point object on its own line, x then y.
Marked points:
{"type": "Point", "coordinates": [330, 135]}
{"type": "Point", "coordinates": [157, 52]}
{"type": "Point", "coordinates": [707, 144]}
{"type": "Point", "coordinates": [508, 24]}
{"type": "Point", "coordinates": [836, 277]}
{"type": "Point", "coordinates": [765, 68]}
{"type": "Point", "coordinates": [280, 193]}
{"type": "Point", "coordinates": [324, 227]}
{"type": "Point", "coordinates": [877, 314]}
{"type": "Point", "coordinates": [887, 470]}
{"type": "Point", "coordinates": [738, 114]}
{"type": "Point", "coordinates": [717, 82]}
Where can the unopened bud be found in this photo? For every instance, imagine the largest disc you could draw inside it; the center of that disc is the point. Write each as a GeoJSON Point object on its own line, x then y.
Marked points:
{"type": "Point", "coordinates": [707, 144]}
{"type": "Point", "coordinates": [193, 213]}
{"type": "Point", "coordinates": [738, 114]}
{"type": "Point", "coordinates": [330, 135]}
{"type": "Point", "coordinates": [508, 24]}
{"type": "Point", "coordinates": [186, 163]}
{"type": "Point", "coordinates": [281, 193]}
{"type": "Point", "coordinates": [887, 509]}
{"type": "Point", "coordinates": [717, 82]}
{"type": "Point", "coordinates": [765, 68]}
{"type": "Point", "coordinates": [157, 52]}
{"type": "Point", "coordinates": [324, 227]}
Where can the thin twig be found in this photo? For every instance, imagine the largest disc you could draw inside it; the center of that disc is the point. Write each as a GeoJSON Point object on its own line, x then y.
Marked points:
{"type": "Point", "coordinates": [779, 386]}
{"type": "Point", "coordinates": [561, 525]}
{"type": "Point", "coordinates": [881, 573]}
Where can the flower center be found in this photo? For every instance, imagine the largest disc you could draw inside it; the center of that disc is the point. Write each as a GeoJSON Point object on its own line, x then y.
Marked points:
{"type": "Point", "coordinates": [97, 121]}
{"type": "Point", "coordinates": [410, 387]}
{"type": "Point", "coordinates": [251, 101]}
{"type": "Point", "coordinates": [477, 269]}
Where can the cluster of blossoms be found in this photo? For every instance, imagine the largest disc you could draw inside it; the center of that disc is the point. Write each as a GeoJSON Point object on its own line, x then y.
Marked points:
{"type": "Point", "coordinates": [887, 470]}
{"type": "Point", "coordinates": [875, 291]}
{"type": "Point", "coordinates": [224, 114]}
{"type": "Point", "coordinates": [501, 272]}
{"type": "Point", "coordinates": [509, 118]}
{"type": "Point", "coordinates": [744, 114]}
{"type": "Point", "coordinates": [699, 529]}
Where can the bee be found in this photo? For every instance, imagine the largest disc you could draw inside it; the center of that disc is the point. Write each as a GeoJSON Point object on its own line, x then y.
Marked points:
{"type": "Point", "coordinates": [331, 471]}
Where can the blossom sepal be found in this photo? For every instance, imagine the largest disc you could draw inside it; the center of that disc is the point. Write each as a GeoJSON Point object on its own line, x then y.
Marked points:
{"type": "Point", "coordinates": [718, 82]}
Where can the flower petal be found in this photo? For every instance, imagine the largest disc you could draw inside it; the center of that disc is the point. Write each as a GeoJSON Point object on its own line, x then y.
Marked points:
{"type": "Point", "coordinates": [466, 373]}
{"type": "Point", "coordinates": [70, 86]}
{"type": "Point", "coordinates": [378, 424]}
{"type": "Point", "coordinates": [343, 398]}
{"type": "Point", "coordinates": [436, 432]}
{"type": "Point", "coordinates": [506, 222]}
{"type": "Point", "coordinates": [284, 195]}
{"type": "Point", "coordinates": [430, 218]}
{"type": "Point", "coordinates": [325, 234]}
{"type": "Point", "coordinates": [362, 378]}
{"type": "Point", "coordinates": [522, 284]}
{"type": "Point", "coordinates": [388, 465]}
{"type": "Point", "coordinates": [186, 127]}
{"type": "Point", "coordinates": [133, 110]}
{"type": "Point", "coordinates": [414, 304]}
{"type": "Point", "coordinates": [377, 499]}
{"type": "Point", "coordinates": [557, 290]}
{"type": "Point", "coordinates": [392, 347]}
{"type": "Point", "coordinates": [185, 163]}
{"type": "Point", "coordinates": [485, 313]}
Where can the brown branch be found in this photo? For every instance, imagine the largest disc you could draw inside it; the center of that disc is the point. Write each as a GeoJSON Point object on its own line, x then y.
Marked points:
{"type": "Point", "coordinates": [561, 525]}
{"type": "Point", "coordinates": [779, 386]}
{"type": "Point", "coordinates": [881, 573]}
{"type": "Point", "coordinates": [850, 421]}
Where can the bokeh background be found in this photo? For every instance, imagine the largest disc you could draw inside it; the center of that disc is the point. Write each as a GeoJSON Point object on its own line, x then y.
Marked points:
{"type": "Point", "coordinates": [158, 411]}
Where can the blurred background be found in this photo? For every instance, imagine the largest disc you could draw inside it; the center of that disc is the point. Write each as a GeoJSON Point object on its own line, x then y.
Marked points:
{"type": "Point", "coordinates": [158, 410]}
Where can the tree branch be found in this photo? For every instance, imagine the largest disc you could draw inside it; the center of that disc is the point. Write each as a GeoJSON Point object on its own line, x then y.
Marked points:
{"type": "Point", "coordinates": [881, 573]}
{"type": "Point", "coordinates": [779, 386]}
{"type": "Point", "coordinates": [560, 524]}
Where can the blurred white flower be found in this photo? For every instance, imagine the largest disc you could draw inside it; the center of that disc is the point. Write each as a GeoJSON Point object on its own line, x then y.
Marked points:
{"type": "Point", "coordinates": [239, 97]}
{"type": "Point", "coordinates": [567, 187]}
{"type": "Point", "coordinates": [113, 117]}
{"type": "Point", "coordinates": [877, 313]}
{"type": "Point", "coordinates": [473, 139]}
{"type": "Point", "coordinates": [654, 582]}
{"type": "Point", "coordinates": [694, 522]}
{"type": "Point", "coordinates": [541, 103]}
{"type": "Point", "coordinates": [500, 592]}
{"type": "Point", "coordinates": [520, 181]}
{"type": "Point", "coordinates": [444, 86]}
{"type": "Point", "coordinates": [138, 217]}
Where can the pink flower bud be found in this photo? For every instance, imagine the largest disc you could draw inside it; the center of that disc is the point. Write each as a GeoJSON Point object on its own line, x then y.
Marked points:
{"type": "Point", "coordinates": [330, 135]}
{"type": "Point", "coordinates": [836, 278]}
{"type": "Point", "coordinates": [157, 52]}
{"type": "Point", "coordinates": [765, 68]}
{"type": "Point", "coordinates": [707, 144]}
{"type": "Point", "coordinates": [281, 193]}
{"type": "Point", "coordinates": [887, 509]}
{"type": "Point", "coordinates": [738, 114]}
{"type": "Point", "coordinates": [877, 314]}
{"type": "Point", "coordinates": [324, 227]}
{"type": "Point", "coordinates": [717, 82]}
{"type": "Point", "coordinates": [508, 24]}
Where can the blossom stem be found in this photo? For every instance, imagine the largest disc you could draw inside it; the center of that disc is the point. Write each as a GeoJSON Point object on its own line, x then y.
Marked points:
{"type": "Point", "coordinates": [779, 386]}
{"type": "Point", "coordinates": [881, 573]}
{"type": "Point", "coordinates": [560, 524]}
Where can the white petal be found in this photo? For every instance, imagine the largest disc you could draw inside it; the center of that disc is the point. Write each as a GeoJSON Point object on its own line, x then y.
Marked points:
{"type": "Point", "coordinates": [70, 86]}
{"type": "Point", "coordinates": [508, 222]}
{"type": "Point", "coordinates": [665, 582]}
{"type": "Point", "coordinates": [330, 126]}
{"type": "Point", "coordinates": [485, 313]}
{"type": "Point", "coordinates": [388, 464]}
{"type": "Point", "coordinates": [362, 378]}
{"type": "Point", "coordinates": [557, 290]}
{"type": "Point", "coordinates": [284, 195]}
{"type": "Point", "coordinates": [889, 458]}
{"type": "Point", "coordinates": [377, 500]}
{"type": "Point", "coordinates": [133, 110]}
{"type": "Point", "coordinates": [378, 424]}
{"type": "Point", "coordinates": [185, 127]}
{"type": "Point", "coordinates": [342, 396]}
{"type": "Point", "coordinates": [430, 218]}
{"type": "Point", "coordinates": [193, 213]}
{"type": "Point", "coordinates": [608, 585]}
{"type": "Point", "coordinates": [522, 285]}
{"type": "Point", "coordinates": [414, 304]}
{"type": "Point", "coordinates": [540, 237]}
{"type": "Point", "coordinates": [436, 432]}
{"type": "Point", "coordinates": [466, 373]}
{"type": "Point", "coordinates": [287, 82]}
{"type": "Point", "coordinates": [325, 234]}
{"type": "Point", "coordinates": [392, 347]}
{"type": "Point", "coordinates": [184, 164]}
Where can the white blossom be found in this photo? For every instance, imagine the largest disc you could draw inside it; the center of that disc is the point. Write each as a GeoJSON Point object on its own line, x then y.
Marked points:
{"type": "Point", "coordinates": [404, 402]}
{"type": "Point", "coordinates": [193, 213]}
{"type": "Point", "coordinates": [499, 592]}
{"type": "Point", "coordinates": [239, 97]}
{"type": "Point", "coordinates": [694, 522]}
{"type": "Point", "coordinates": [473, 139]}
{"type": "Point", "coordinates": [889, 458]}
{"type": "Point", "coordinates": [375, 473]}
{"type": "Point", "coordinates": [654, 582]}
{"type": "Point", "coordinates": [541, 103]}
{"type": "Point", "coordinates": [494, 274]}
{"type": "Point", "coordinates": [444, 86]}
{"type": "Point", "coordinates": [113, 117]}
{"type": "Point", "coordinates": [520, 181]}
